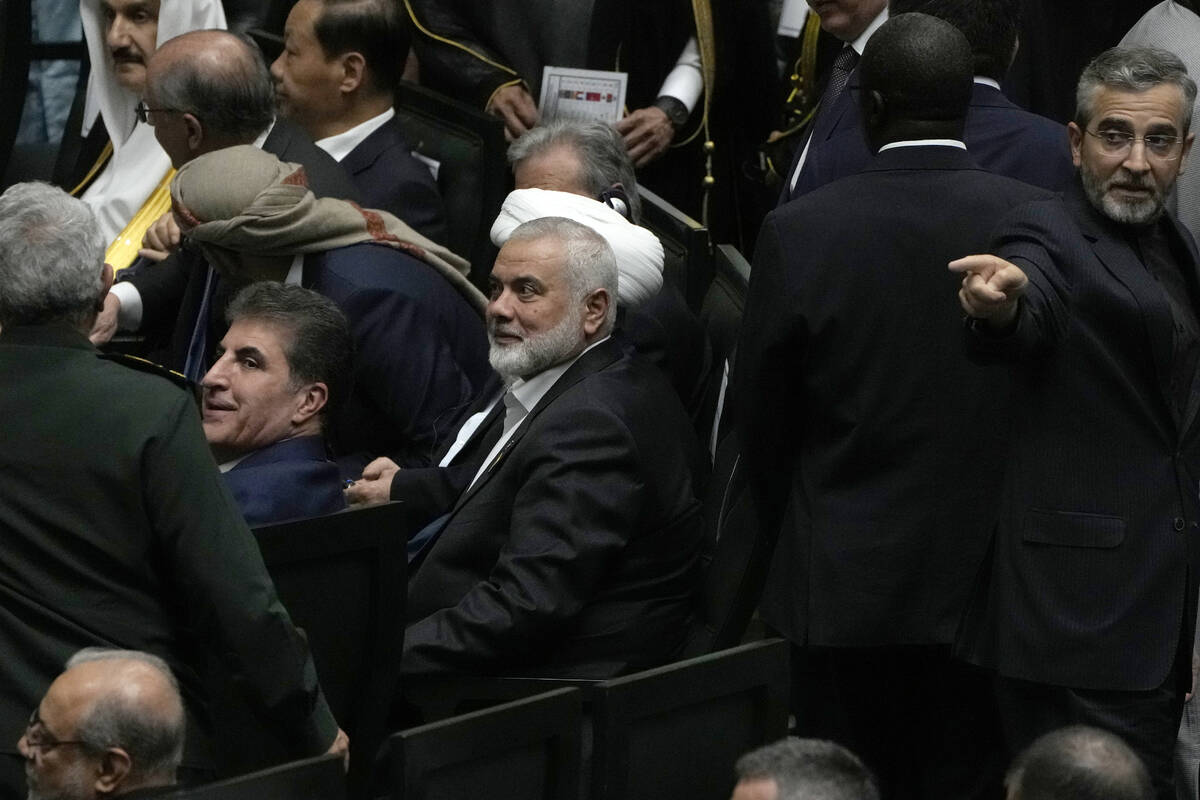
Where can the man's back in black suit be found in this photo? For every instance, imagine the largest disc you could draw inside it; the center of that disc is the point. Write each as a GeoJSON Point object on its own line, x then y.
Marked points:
{"type": "Point", "coordinates": [870, 442]}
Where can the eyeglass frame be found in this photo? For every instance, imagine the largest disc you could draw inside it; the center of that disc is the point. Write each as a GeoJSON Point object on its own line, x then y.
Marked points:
{"type": "Point", "coordinates": [1129, 139]}
{"type": "Point", "coordinates": [143, 112]}
{"type": "Point", "coordinates": [45, 747]}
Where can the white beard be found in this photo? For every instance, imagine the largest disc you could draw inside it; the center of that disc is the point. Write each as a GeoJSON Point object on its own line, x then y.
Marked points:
{"type": "Point", "coordinates": [538, 352]}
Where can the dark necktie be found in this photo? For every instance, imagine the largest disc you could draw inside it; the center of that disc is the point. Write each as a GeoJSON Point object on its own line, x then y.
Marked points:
{"type": "Point", "coordinates": [843, 65]}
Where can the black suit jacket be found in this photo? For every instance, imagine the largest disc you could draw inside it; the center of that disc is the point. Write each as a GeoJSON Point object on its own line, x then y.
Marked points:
{"type": "Point", "coordinates": [575, 553]}
{"type": "Point", "coordinates": [870, 442]}
{"type": "Point", "coordinates": [390, 179]}
{"type": "Point", "coordinates": [1097, 550]}
{"type": "Point", "coordinates": [1000, 136]}
{"type": "Point", "coordinates": [173, 289]}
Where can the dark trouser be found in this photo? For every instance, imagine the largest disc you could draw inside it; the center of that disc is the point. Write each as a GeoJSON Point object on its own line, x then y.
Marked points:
{"type": "Point", "coordinates": [925, 724]}
{"type": "Point", "coordinates": [1147, 721]}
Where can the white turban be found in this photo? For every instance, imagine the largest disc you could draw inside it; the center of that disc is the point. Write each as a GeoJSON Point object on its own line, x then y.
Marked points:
{"type": "Point", "coordinates": [639, 252]}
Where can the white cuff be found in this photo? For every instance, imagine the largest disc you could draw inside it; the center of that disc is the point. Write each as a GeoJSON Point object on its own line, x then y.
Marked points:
{"type": "Point", "coordinates": [685, 82]}
{"type": "Point", "coordinates": [129, 318]}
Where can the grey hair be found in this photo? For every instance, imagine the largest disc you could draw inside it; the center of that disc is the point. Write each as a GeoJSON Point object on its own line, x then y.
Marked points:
{"type": "Point", "coordinates": [154, 742]}
{"type": "Point", "coordinates": [319, 349]}
{"type": "Point", "coordinates": [51, 252]}
{"type": "Point", "coordinates": [589, 261]}
{"type": "Point", "coordinates": [809, 769]}
{"type": "Point", "coordinates": [1132, 69]}
{"type": "Point", "coordinates": [1079, 762]}
{"type": "Point", "coordinates": [603, 159]}
{"type": "Point", "coordinates": [232, 95]}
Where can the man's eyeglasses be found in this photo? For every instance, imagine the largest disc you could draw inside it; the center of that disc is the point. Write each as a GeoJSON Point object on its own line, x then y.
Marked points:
{"type": "Point", "coordinates": [1159, 145]}
{"type": "Point", "coordinates": [37, 736]}
{"type": "Point", "coordinates": [143, 111]}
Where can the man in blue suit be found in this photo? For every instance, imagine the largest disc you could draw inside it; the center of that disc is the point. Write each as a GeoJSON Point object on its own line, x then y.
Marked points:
{"type": "Point", "coordinates": [336, 78]}
{"type": "Point", "coordinates": [284, 363]}
{"type": "Point", "coordinates": [1000, 136]}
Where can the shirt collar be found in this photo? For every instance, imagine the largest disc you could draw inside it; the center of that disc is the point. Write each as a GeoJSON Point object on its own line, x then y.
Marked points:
{"type": "Point", "coordinates": [925, 143]}
{"type": "Point", "coordinates": [860, 43]}
{"type": "Point", "coordinates": [261, 139]}
{"type": "Point", "coordinates": [987, 82]}
{"type": "Point", "coordinates": [528, 392]}
{"type": "Point", "coordinates": [340, 145]}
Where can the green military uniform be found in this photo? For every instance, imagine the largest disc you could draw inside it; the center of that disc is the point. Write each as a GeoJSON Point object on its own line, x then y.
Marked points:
{"type": "Point", "coordinates": [117, 530]}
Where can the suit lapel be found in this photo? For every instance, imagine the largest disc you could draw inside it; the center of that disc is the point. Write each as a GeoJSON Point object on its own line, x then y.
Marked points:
{"type": "Point", "coordinates": [1188, 246]}
{"type": "Point", "coordinates": [370, 148]}
{"type": "Point", "coordinates": [593, 361]}
{"type": "Point", "coordinates": [1119, 258]}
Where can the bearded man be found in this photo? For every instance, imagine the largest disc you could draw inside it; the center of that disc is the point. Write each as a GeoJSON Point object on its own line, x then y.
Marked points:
{"type": "Point", "coordinates": [573, 549]}
{"type": "Point", "coordinates": [1088, 614]}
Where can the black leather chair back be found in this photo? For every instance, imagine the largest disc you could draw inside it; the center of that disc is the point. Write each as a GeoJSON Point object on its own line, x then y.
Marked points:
{"type": "Point", "coordinates": [686, 246]}
{"type": "Point", "coordinates": [320, 778]}
{"type": "Point", "coordinates": [474, 177]}
{"type": "Point", "coordinates": [342, 579]}
{"type": "Point", "coordinates": [524, 750]}
{"type": "Point", "coordinates": [674, 733]}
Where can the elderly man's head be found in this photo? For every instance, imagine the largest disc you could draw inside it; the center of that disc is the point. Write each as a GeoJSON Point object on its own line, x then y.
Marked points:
{"type": "Point", "coordinates": [552, 292]}
{"type": "Point", "coordinates": [282, 366]}
{"type": "Point", "coordinates": [111, 723]}
{"type": "Point", "coordinates": [206, 90]}
{"type": "Point", "coordinates": [1078, 763]}
{"type": "Point", "coordinates": [51, 258]}
{"type": "Point", "coordinates": [337, 55]}
{"type": "Point", "coordinates": [799, 769]}
{"type": "Point", "coordinates": [1130, 138]}
{"type": "Point", "coordinates": [585, 158]}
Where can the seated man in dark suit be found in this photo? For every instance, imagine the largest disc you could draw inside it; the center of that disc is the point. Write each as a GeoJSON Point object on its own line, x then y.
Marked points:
{"type": "Point", "coordinates": [336, 78]}
{"type": "Point", "coordinates": [416, 321]}
{"type": "Point", "coordinates": [204, 91]}
{"type": "Point", "coordinates": [573, 549]}
{"type": "Point", "coordinates": [284, 363]}
{"type": "Point", "coordinates": [122, 711]}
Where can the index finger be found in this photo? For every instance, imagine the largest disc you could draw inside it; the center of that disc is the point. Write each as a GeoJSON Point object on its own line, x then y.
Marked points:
{"type": "Point", "coordinates": [983, 264]}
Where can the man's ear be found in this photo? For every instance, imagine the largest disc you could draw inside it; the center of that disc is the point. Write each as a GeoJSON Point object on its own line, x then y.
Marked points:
{"type": "Point", "coordinates": [1075, 134]}
{"type": "Point", "coordinates": [112, 771]}
{"type": "Point", "coordinates": [195, 132]}
{"type": "Point", "coordinates": [354, 71]}
{"type": "Point", "coordinates": [313, 398]}
{"type": "Point", "coordinates": [595, 311]}
{"type": "Point", "coordinates": [107, 276]}
{"type": "Point", "coordinates": [875, 111]}
{"type": "Point", "coordinates": [1187, 149]}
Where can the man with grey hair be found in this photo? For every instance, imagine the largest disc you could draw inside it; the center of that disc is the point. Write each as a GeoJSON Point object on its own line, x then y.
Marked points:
{"type": "Point", "coordinates": [569, 155]}
{"type": "Point", "coordinates": [803, 769]}
{"type": "Point", "coordinates": [1090, 604]}
{"type": "Point", "coordinates": [1078, 763]}
{"type": "Point", "coordinates": [112, 724]}
{"type": "Point", "coordinates": [572, 551]}
{"type": "Point", "coordinates": [118, 529]}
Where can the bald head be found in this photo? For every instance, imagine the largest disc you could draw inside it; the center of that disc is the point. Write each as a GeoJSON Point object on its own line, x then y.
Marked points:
{"type": "Point", "coordinates": [111, 723]}
{"type": "Point", "coordinates": [916, 79]}
{"type": "Point", "coordinates": [1078, 763]}
{"type": "Point", "coordinates": [212, 90]}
